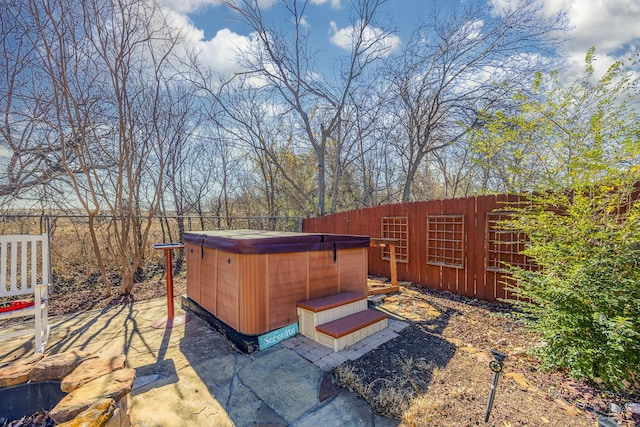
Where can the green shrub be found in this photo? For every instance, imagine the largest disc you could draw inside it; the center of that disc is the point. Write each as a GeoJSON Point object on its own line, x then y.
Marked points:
{"type": "Point", "coordinates": [584, 300]}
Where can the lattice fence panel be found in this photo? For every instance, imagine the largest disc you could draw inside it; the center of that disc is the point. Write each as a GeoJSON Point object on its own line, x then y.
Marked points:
{"type": "Point", "coordinates": [445, 240]}
{"type": "Point", "coordinates": [503, 246]}
{"type": "Point", "coordinates": [396, 227]}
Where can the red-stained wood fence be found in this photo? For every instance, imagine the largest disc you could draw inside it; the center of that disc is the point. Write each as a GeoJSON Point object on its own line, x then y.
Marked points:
{"type": "Point", "coordinates": [455, 245]}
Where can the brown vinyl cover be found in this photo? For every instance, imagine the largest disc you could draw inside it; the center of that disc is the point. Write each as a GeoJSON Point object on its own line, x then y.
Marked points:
{"type": "Point", "coordinates": [271, 242]}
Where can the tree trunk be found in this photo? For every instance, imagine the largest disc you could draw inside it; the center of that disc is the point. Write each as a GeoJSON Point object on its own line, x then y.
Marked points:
{"type": "Point", "coordinates": [98, 253]}
{"type": "Point", "coordinates": [126, 285]}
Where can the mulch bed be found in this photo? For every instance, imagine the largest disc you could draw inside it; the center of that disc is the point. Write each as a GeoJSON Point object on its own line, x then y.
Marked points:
{"type": "Point", "coordinates": [442, 358]}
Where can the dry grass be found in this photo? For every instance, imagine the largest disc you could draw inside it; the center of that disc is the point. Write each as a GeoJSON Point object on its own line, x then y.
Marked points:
{"type": "Point", "coordinates": [73, 259]}
{"type": "Point", "coordinates": [386, 399]}
{"type": "Point", "coordinates": [389, 397]}
{"type": "Point", "coordinates": [428, 409]}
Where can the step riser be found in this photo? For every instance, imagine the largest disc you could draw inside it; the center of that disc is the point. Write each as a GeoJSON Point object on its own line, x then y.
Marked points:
{"type": "Point", "coordinates": [348, 340]}
{"type": "Point", "coordinates": [308, 320]}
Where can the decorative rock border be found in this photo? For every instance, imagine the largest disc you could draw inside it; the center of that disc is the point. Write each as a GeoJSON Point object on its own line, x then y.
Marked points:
{"type": "Point", "coordinates": [97, 387]}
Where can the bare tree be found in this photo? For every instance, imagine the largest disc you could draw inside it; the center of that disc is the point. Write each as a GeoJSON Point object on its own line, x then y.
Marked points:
{"type": "Point", "coordinates": [183, 122]}
{"type": "Point", "coordinates": [457, 65]}
{"type": "Point", "coordinates": [357, 153]}
{"type": "Point", "coordinates": [106, 110]}
{"type": "Point", "coordinates": [458, 172]}
{"type": "Point", "coordinates": [283, 62]}
{"type": "Point", "coordinates": [266, 134]}
{"type": "Point", "coordinates": [215, 175]}
{"type": "Point", "coordinates": [30, 156]}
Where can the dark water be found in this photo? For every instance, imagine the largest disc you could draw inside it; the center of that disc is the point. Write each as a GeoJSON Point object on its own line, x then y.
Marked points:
{"type": "Point", "coordinates": [29, 404]}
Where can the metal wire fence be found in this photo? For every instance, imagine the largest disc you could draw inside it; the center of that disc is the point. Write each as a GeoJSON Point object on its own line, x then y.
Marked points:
{"type": "Point", "coordinates": [73, 258]}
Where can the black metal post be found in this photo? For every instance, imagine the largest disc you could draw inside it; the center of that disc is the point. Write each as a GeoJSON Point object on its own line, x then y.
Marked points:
{"type": "Point", "coordinates": [491, 395]}
{"type": "Point", "coordinates": [496, 367]}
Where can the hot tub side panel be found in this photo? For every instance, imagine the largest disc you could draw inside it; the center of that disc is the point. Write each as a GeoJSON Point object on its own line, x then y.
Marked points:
{"type": "Point", "coordinates": [252, 294]}
{"type": "Point", "coordinates": [329, 276]}
{"type": "Point", "coordinates": [227, 288]}
{"type": "Point", "coordinates": [209, 280]}
{"type": "Point", "coordinates": [323, 274]}
{"type": "Point", "coordinates": [287, 284]}
{"type": "Point", "coordinates": [193, 272]}
{"type": "Point", "coordinates": [301, 276]}
{"type": "Point", "coordinates": [353, 269]}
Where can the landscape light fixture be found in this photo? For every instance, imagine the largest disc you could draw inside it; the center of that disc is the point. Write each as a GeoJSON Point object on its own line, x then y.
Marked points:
{"type": "Point", "coordinates": [496, 366]}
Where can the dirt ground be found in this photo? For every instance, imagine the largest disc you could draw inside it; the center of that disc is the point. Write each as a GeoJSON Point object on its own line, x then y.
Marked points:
{"type": "Point", "coordinates": [436, 373]}
{"type": "Point", "coordinates": [96, 299]}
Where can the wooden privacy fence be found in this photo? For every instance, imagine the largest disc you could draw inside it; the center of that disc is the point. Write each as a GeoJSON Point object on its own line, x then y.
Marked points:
{"type": "Point", "coordinates": [455, 245]}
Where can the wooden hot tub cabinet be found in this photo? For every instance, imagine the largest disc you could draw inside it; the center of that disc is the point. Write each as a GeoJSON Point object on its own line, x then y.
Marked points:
{"type": "Point", "coordinates": [252, 280]}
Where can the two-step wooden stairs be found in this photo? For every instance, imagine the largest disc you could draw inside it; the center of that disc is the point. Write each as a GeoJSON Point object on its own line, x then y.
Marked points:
{"type": "Point", "coordinates": [339, 321]}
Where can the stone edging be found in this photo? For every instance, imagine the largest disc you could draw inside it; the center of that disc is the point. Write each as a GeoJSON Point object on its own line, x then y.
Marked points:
{"type": "Point", "coordinates": [97, 387]}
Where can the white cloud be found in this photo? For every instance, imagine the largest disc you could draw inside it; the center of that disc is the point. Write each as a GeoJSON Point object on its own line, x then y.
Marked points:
{"type": "Point", "coordinates": [220, 53]}
{"type": "Point", "coordinates": [340, 37]}
{"type": "Point", "coordinates": [609, 25]}
{"type": "Point", "coordinates": [334, 3]}
{"type": "Point", "coordinates": [471, 30]}
{"type": "Point", "coordinates": [265, 4]}
{"type": "Point", "coordinates": [374, 37]}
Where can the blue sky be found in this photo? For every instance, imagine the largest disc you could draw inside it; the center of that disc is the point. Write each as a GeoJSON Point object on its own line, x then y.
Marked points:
{"type": "Point", "coordinates": [319, 16]}
{"type": "Point", "coordinates": [610, 25]}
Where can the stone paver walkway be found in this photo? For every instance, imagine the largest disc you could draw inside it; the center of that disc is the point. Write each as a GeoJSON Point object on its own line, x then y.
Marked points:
{"type": "Point", "coordinates": [189, 375]}
{"type": "Point", "coordinates": [324, 357]}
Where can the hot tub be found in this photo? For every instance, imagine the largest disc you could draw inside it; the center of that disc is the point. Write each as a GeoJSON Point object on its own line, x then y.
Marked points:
{"type": "Point", "coordinates": [252, 280]}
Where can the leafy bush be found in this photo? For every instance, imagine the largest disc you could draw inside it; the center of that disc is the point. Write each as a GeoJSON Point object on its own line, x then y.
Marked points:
{"type": "Point", "coordinates": [584, 300]}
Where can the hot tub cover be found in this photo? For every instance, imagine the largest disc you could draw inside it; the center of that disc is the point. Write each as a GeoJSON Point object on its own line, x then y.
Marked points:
{"type": "Point", "coordinates": [269, 242]}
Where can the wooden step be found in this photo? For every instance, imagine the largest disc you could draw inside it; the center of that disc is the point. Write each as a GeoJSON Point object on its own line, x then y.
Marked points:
{"type": "Point", "coordinates": [332, 301]}
{"type": "Point", "coordinates": [346, 325]}
{"type": "Point", "coordinates": [315, 312]}
{"type": "Point", "coordinates": [340, 320]}
{"type": "Point", "coordinates": [344, 332]}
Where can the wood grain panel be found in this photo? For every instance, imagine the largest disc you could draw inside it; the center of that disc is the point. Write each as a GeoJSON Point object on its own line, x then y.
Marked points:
{"type": "Point", "coordinates": [323, 274]}
{"type": "Point", "coordinates": [353, 270]}
{"type": "Point", "coordinates": [193, 272]}
{"type": "Point", "coordinates": [287, 285]}
{"type": "Point", "coordinates": [252, 294]}
{"type": "Point", "coordinates": [208, 279]}
{"type": "Point", "coordinates": [227, 287]}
